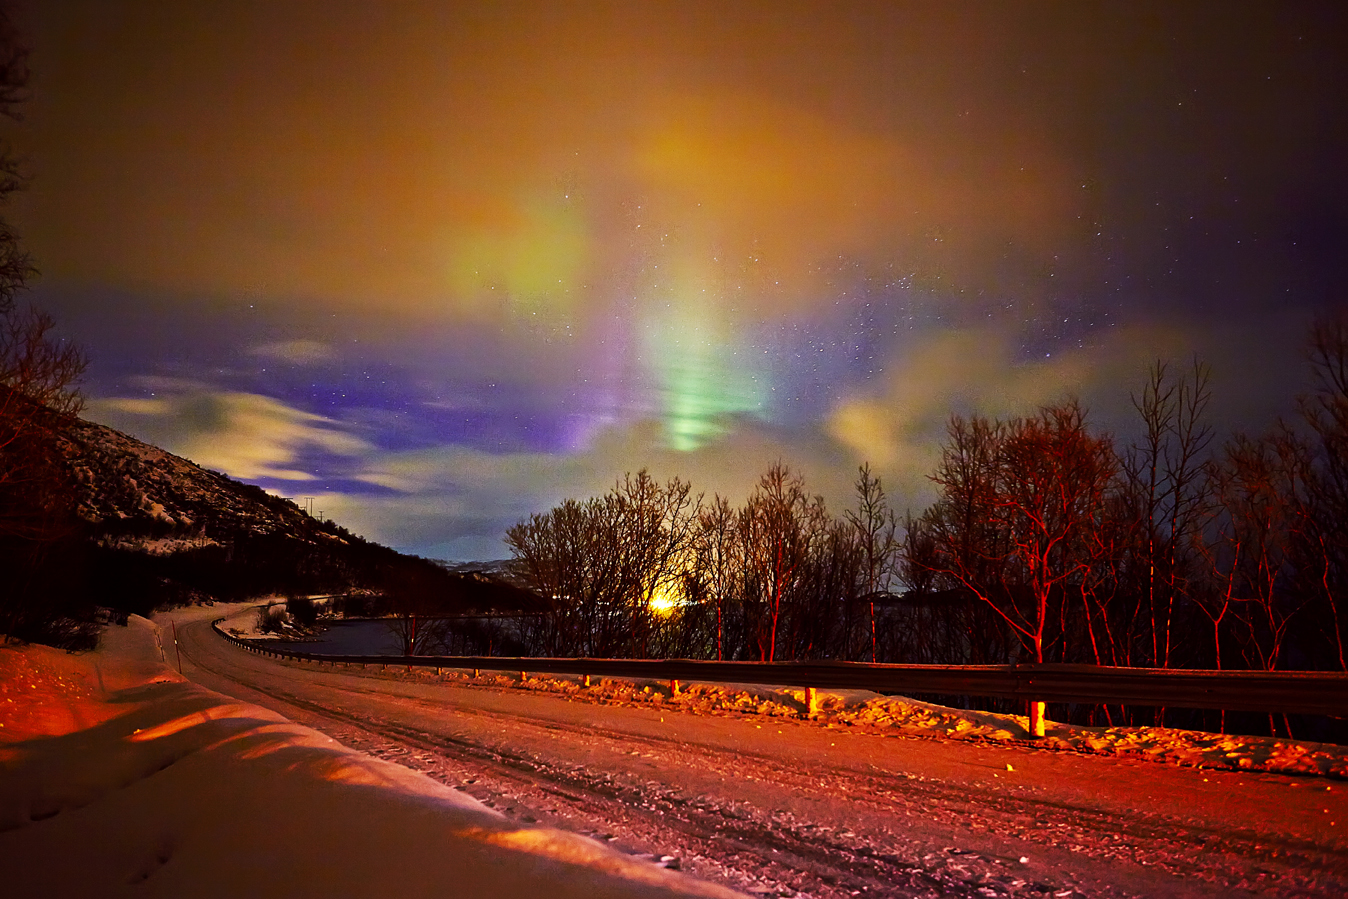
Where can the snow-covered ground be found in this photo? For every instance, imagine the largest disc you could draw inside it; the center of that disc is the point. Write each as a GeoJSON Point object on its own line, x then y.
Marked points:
{"type": "Point", "coordinates": [118, 777]}
{"type": "Point", "coordinates": [764, 800]}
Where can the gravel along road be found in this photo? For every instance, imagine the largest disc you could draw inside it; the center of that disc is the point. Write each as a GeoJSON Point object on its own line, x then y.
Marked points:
{"type": "Point", "coordinates": [779, 807]}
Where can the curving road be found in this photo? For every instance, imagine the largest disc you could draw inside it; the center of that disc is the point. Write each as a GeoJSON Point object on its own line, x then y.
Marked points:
{"type": "Point", "coordinates": [784, 808]}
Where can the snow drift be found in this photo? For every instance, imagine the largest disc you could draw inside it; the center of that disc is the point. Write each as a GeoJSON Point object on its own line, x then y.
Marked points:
{"type": "Point", "coordinates": [121, 778]}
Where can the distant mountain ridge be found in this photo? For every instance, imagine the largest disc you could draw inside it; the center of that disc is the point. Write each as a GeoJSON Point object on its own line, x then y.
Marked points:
{"type": "Point", "coordinates": [498, 568]}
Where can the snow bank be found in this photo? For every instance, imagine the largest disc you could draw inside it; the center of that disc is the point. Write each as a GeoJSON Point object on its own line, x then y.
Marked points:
{"type": "Point", "coordinates": [117, 777]}
{"type": "Point", "coordinates": [866, 710]}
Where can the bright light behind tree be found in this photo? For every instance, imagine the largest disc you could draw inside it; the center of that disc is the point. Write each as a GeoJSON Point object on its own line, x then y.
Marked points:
{"type": "Point", "coordinates": [664, 600]}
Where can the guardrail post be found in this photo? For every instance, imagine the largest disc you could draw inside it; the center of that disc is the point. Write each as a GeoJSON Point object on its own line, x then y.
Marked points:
{"type": "Point", "coordinates": [811, 702]}
{"type": "Point", "coordinates": [477, 672]}
{"type": "Point", "coordinates": [673, 688]}
{"type": "Point", "coordinates": [586, 680]}
{"type": "Point", "coordinates": [1036, 718]}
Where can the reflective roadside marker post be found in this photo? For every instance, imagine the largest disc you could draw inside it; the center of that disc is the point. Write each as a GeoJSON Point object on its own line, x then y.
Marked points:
{"type": "Point", "coordinates": [1036, 718]}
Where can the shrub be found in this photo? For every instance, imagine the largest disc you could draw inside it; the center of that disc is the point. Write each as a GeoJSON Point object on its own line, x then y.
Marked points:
{"type": "Point", "coordinates": [271, 619]}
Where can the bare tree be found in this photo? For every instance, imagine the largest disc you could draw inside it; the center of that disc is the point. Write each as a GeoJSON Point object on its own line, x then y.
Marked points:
{"type": "Point", "coordinates": [718, 559]}
{"type": "Point", "coordinates": [776, 528]}
{"type": "Point", "coordinates": [876, 528]}
{"type": "Point", "coordinates": [1262, 485]}
{"type": "Point", "coordinates": [1326, 411]}
{"type": "Point", "coordinates": [16, 266]}
{"type": "Point", "coordinates": [1264, 489]}
{"type": "Point", "coordinates": [1014, 524]}
{"type": "Point", "coordinates": [603, 562]}
{"type": "Point", "coordinates": [38, 371]}
{"type": "Point", "coordinates": [656, 526]}
{"type": "Point", "coordinates": [1168, 491]}
{"type": "Point", "coordinates": [38, 376]}
{"type": "Point", "coordinates": [558, 555]}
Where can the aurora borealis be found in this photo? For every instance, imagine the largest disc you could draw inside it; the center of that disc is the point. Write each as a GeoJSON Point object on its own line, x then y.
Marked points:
{"type": "Point", "coordinates": [439, 265]}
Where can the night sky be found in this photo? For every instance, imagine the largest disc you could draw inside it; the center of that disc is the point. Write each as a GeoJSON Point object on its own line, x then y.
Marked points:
{"type": "Point", "coordinates": [441, 265]}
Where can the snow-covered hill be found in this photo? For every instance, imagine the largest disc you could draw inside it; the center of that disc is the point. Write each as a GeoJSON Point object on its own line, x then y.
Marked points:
{"type": "Point", "coordinates": [144, 528]}
{"type": "Point", "coordinates": [125, 486]}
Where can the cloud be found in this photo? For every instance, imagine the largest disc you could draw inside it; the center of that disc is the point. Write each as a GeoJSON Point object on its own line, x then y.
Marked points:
{"type": "Point", "coordinates": [245, 435]}
{"type": "Point", "coordinates": [457, 502]}
{"type": "Point", "coordinates": [296, 352]}
{"type": "Point", "coordinates": [900, 428]}
{"type": "Point", "coordinates": [453, 500]}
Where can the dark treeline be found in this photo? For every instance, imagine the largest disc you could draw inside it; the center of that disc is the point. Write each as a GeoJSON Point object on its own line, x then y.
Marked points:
{"type": "Point", "coordinates": [651, 570]}
{"type": "Point", "coordinates": [1049, 541]}
{"type": "Point", "coordinates": [88, 575]}
{"type": "Point", "coordinates": [67, 585]}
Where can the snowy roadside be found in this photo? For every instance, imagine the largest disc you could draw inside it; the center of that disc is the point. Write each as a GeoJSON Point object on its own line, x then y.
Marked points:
{"type": "Point", "coordinates": [865, 710]}
{"type": "Point", "coordinates": [118, 777]}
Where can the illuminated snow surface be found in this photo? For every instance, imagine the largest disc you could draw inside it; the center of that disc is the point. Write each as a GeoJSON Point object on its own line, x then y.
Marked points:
{"type": "Point", "coordinates": [900, 715]}
{"type": "Point", "coordinates": [864, 709]}
{"type": "Point", "coordinates": [121, 778]}
{"type": "Point", "coordinates": [118, 777]}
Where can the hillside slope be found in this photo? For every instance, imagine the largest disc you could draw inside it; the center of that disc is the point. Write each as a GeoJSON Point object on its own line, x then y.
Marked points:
{"type": "Point", "coordinates": [124, 485]}
{"type": "Point", "coordinates": [132, 527]}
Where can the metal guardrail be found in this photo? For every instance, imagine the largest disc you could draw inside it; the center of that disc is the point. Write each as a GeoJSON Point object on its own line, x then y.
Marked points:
{"type": "Point", "coordinates": [1292, 692]}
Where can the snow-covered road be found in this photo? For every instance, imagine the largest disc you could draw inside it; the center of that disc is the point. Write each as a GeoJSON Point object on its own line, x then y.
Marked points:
{"type": "Point", "coordinates": [782, 807]}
